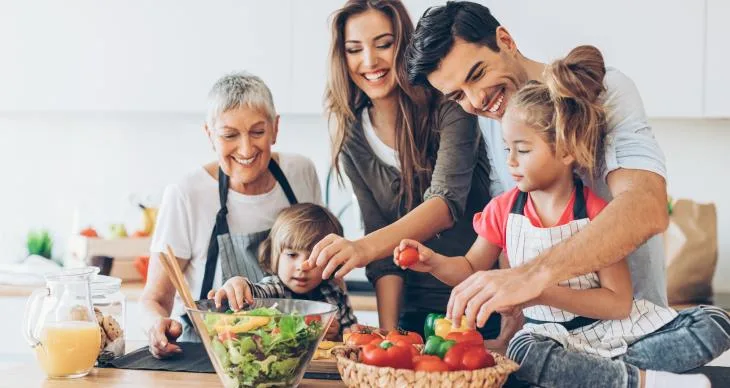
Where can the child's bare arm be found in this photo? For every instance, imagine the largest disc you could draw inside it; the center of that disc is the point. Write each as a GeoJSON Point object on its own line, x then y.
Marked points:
{"type": "Point", "coordinates": [451, 270]}
{"type": "Point", "coordinates": [613, 300]}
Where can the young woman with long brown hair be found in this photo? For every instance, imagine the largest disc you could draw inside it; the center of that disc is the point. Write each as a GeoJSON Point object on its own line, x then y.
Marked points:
{"type": "Point", "coordinates": [418, 165]}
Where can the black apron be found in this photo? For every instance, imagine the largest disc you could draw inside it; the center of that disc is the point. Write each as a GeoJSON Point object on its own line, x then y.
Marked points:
{"type": "Point", "coordinates": [238, 253]}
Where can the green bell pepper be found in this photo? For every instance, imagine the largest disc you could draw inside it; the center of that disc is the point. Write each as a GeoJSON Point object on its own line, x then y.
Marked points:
{"type": "Point", "coordinates": [429, 325]}
{"type": "Point", "coordinates": [437, 346]}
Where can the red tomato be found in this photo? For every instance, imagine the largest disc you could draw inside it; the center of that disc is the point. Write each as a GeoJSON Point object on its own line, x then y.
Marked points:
{"type": "Point", "coordinates": [477, 358]}
{"type": "Point", "coordinates": [428, 363]}
{"type": "Point", "coordinates": [408, 336]}
{"type": "Point", "coordinates": [455, 355]}
{"type": "Point", "coordinates": [408, 257]}
{"type": "Point", "coordinates": [309, 319]}
{"type": "Point", "coordinates": [225, 336]}
{"type": "Point", "coordinates": [466, 337]}
{"type": "Point", "coordinates": [466, 356]}
{"type": "Point", "coordinates": [363, 337]}
{"type": "Point", "coordinates": [89, 232]}
{"type": "Point", "coordinates": [388, 354]}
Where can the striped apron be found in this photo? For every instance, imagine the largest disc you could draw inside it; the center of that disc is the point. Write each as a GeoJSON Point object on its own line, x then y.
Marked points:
{"type": "Point", "coordinates": [606, 338]}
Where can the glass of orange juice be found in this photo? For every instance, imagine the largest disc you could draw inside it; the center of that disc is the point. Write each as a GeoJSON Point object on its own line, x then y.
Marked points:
{"type": "Point", "coordinates": [60, 324]}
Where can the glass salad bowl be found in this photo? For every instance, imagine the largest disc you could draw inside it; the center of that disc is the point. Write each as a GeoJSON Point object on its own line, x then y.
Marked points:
{"type": "Point", "coordinates": [267, 344]}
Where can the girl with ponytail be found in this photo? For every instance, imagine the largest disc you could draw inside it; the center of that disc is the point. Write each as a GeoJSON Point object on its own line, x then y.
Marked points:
{"type": "Point", "coordinates": [554, 131]}
{"type": "Point", "coordinates": [296, 230]}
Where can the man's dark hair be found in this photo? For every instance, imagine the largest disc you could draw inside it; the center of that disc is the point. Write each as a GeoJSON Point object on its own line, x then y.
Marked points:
{"type": "Point", "coordinates": [435, 33]}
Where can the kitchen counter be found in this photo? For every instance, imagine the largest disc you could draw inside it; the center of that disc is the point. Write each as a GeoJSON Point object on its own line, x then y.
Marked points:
{"type": "Point", "coordinates": [361, 301]}
{"type": "Point", "coordinates": [29, 374]}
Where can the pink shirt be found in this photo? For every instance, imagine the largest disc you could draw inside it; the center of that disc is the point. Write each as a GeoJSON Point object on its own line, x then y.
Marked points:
{"type": "Point", "coordinates": [491, 223]}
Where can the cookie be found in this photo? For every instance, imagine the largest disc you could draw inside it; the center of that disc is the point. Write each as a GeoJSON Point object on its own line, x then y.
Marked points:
{"type": "Point", "coordinates": [112, 328]}
{"type": "Point", "coordinates": [104, 338]}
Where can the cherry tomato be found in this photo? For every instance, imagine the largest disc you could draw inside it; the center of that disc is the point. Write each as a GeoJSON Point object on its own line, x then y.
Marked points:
{"type": "Point", "coordinates": [309, 319]}
{"type": "Point", "coordinates": [408, 336]}
{"type": "Point", "coordinates": [226, 336]}
{"type": "Point", "coordinates": [408, 257]}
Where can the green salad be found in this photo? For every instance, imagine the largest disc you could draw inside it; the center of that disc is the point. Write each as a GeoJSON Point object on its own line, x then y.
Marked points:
{"type": "Point", "coordinates": [262, 347]}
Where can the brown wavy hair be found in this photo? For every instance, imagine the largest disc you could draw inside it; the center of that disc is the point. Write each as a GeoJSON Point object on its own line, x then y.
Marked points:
{"type": "Point", "coordinates": [416, 144]}
{"type": "Point", "coordinates": [297, 227]}
{"type": "Point", "coordinates": [566, 108]}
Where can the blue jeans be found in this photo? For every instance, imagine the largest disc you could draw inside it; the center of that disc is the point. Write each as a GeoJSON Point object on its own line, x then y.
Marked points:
{"type": "Point", "coordinates": [695, 337]}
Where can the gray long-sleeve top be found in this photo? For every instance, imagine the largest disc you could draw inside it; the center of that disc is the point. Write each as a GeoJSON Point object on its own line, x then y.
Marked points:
{"type": "Point", "coordinates": [460, 177]}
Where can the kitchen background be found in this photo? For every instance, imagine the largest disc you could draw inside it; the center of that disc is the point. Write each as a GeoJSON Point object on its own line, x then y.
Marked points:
{"type": "Point", "coordinates": [101, 102]}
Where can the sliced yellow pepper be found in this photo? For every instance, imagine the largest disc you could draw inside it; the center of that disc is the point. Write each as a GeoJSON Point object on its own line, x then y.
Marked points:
{"type": "Point", "coordinates": [244, 324]}
{"type": "Point", "coordinates": [326, 345]}
{"type": "Point", "coordinates": [442, 327]}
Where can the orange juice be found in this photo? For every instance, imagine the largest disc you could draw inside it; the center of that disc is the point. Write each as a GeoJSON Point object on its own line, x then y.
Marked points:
{"type": "Point", "coordinates": [68, 349]}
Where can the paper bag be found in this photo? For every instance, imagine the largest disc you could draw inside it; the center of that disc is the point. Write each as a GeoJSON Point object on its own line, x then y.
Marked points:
{"type": "Point", "coordinates": [690, 244]}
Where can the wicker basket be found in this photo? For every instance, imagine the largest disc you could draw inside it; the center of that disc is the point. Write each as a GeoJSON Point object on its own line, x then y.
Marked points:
{"type": "Point", "coordinates": [357, 374]}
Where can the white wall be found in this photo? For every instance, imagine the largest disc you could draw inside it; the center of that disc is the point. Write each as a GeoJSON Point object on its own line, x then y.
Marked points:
{"type": "Point", "coordinates": [55, 163]}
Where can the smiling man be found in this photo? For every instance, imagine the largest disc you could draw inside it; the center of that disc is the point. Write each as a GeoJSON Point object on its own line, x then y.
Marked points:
{"type": "Point", "coordinates": [463, 51]}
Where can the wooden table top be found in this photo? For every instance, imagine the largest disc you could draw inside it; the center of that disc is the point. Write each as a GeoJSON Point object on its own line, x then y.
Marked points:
{"type": "Point", "coordinates": [29, 374]}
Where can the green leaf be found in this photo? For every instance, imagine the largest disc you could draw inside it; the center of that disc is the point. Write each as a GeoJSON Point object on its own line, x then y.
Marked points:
{"type": "Point", "coordinates": [284, 368]}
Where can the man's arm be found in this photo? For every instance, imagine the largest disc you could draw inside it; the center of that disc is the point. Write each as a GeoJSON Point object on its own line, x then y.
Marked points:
{"type": "Point", "coordinates": [637, 212]}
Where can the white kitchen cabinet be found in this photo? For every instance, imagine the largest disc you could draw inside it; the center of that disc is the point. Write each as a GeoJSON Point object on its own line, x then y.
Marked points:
{"type": "Point", "coordinates": [658, 43]}
{"type": "Point", "coordinates": [137, 55]}
{"type": "Point", "coordinates": [310, 53]}
{"type": "Point", "coordinates": [717, 81]}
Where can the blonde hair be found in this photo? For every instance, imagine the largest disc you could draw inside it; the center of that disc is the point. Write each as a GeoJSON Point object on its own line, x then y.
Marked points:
{"type": "Point", "coordinates": [298, 227]}
{"type": "Point", "coordinates": [566, 109]}
{"type": "Point", "coordinates": [416, 143]}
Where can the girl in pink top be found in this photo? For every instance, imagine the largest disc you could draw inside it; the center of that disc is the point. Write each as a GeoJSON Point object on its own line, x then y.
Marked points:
{"type": "Point", "coordinates": [552, 132]}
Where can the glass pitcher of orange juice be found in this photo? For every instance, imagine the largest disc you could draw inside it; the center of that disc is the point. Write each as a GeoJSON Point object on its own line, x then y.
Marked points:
{"type": "Point", "coordinates": [60, 324]}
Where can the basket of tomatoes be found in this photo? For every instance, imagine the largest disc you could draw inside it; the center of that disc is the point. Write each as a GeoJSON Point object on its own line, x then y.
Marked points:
{"type": "Point", "coordinates": [459, 359]}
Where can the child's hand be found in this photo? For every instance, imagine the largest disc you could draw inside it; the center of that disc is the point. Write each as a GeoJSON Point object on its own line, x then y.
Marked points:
{"type": "Point", "coordinates": [425, 263]}
{"type": "Point", "coordinates": [333, 331]}
{"type": "Point", "coordinates": [236, 290]}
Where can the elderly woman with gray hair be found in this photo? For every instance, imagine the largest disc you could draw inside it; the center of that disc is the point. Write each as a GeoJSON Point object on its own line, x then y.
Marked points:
{"type": "Point", "coordinates": [216, 216]}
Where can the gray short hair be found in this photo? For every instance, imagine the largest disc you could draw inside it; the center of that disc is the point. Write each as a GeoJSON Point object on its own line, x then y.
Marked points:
{"type": "Point", "coordinates": [235, 90]}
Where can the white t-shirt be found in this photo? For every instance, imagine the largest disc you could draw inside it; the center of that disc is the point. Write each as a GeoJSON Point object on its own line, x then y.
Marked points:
{"type": "Point", "coordinates": [187, 215]}
{"type": "Point", "coordinates": [386, 154]}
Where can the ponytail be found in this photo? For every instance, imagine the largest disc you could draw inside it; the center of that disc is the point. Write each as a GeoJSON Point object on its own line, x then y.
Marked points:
{"type": "Point", "coordinates": [575, 84]}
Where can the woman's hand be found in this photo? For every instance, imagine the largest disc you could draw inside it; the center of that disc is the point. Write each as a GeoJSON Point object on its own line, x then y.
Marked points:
{"type": "Point", "coordinates": [236, 290]}
{"type": "Point", "coordinates": [426, 257]}
{"type": "Point", "coordinates": [162, 336]}
{"type": "Point", "coordinates": [336, 251]}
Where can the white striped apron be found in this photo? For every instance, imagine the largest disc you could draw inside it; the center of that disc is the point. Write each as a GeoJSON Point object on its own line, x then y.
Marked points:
{"type": "Point", "coordinates": [606, 338]}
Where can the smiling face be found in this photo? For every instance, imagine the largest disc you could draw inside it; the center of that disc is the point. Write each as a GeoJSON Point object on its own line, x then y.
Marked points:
{"type": "Point", "coordinates": [531, 160]}
{"type": "Point", "coordinates": [478, 78]}
{"type": "Point", "coordinates": [290, 271]}
{"type": "Point", "coordinates": [242, 139]}
{"type": "Point", "coordinates": [369, 53]}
